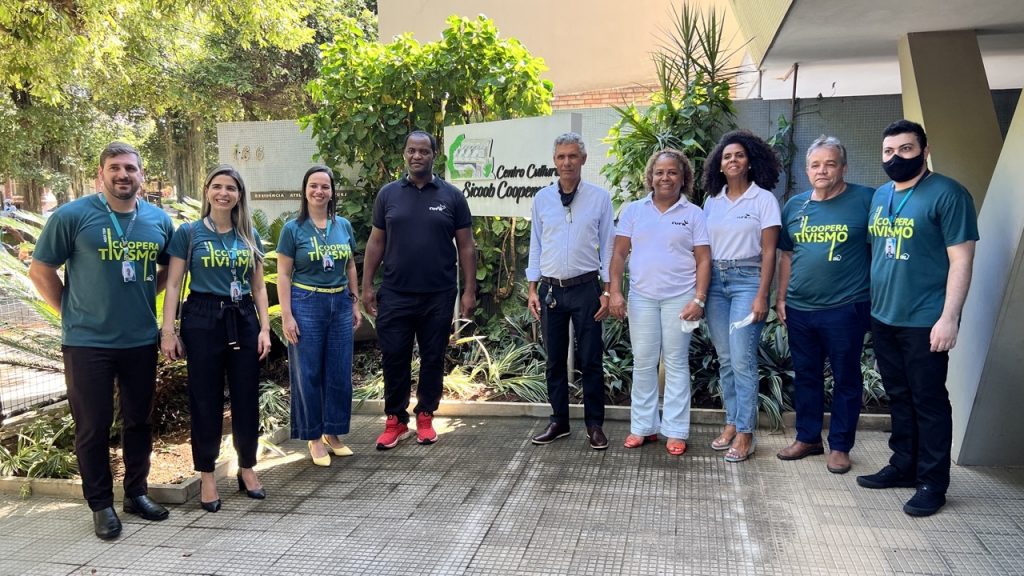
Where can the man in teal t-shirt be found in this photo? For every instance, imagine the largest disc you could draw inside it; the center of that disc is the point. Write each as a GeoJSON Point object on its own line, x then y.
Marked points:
{"type": "Point", "coordinates": [823, 298]}
{"type": "Point", "coordinates": [110, 245]}
{"type": "Point", "coordinates": [923, 227]}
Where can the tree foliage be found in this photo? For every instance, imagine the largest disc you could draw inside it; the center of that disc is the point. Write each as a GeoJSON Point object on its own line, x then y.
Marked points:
{"type": "Point", "coordinates": [157, 73]}
{"type": "Point", "coordinates": [370, 95]}
{"type": "Point", "coordinates": [692, 107]}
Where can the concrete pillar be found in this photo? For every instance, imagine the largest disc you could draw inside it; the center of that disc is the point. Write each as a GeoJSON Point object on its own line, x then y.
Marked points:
{"type": "Point", "coordinates": [945, 90]}
{"type": "Point", "coordinates": [986, 369]}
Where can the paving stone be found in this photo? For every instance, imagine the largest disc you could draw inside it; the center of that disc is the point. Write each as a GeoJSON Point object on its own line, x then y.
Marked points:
{"type": "Point", "coordinates": [484, 501]}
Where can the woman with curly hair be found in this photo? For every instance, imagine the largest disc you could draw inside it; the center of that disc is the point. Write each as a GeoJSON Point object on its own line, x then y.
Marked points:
{"type": "Point", "coordinates": [666, 240]}
{"type": "Point", "coordinates": [743, 220]}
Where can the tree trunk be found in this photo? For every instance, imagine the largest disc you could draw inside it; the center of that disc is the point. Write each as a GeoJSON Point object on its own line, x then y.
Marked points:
{"type": "Point", "coordinates": [30, 192]}
{"type": "Point", "coordinates": [195, 149]}
{"type": "Point", "coordinates": [171, 157]}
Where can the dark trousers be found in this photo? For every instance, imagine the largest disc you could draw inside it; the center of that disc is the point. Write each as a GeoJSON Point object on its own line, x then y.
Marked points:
{"type": "Point", "coordinates": [90, 374]}
{"type": "Point", "coordinates": [208, 324]}
{"type": "Point", "coordinates": [402, 316]}
{"type": "Point", "coordinates": [836, 334]}
{"type": "Point", "coordinates": [577, 303]}
{"type": "Point", "coordinates": [922, 418]}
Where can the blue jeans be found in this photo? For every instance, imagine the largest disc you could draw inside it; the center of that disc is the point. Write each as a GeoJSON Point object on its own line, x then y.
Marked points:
{"type": "Point", "coordinates": [320, 365]}
{"type": "Point", "coordinates": [730, 299]}
{"type": "Point", "coordinates": [836, 334]}
{"type": "Point", "coordinates": [655, 331]}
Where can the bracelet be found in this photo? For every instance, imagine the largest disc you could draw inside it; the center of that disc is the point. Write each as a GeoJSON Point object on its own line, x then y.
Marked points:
{"type": "Point", "coordinates": [162, 334]}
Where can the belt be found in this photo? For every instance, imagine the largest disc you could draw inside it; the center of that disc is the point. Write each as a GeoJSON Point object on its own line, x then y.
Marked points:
{"type": "Point", "coordinates": [575, 281]}
{"type": "Point", "coordinates": [742, 262]}
{"type": "Point", "coordinates": [224, 304]}
{"type": "Point", "coordinates": [319, 289]}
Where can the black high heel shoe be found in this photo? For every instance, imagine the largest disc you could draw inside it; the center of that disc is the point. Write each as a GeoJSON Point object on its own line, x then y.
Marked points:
{"type": "Point", "coordinates": [258, 494]}
{"type": "Point", "coordinates": [208, 506]}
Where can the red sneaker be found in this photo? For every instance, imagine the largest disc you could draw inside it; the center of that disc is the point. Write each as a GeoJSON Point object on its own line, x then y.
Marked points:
{"type": "Point", "coordinates": [394, 431]}
{"type": "Point", "coordinates": [425, 428]}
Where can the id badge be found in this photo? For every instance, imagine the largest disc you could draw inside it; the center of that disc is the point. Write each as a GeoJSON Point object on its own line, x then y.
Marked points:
{"type": "Point", "coordinates": [328, 263]}
{"type": "Point", "coordinates": [890, 248]}
{"type": "Point", "coordinates": [128, 271]}
{"type": "Point", "coordinates": [236, 291]}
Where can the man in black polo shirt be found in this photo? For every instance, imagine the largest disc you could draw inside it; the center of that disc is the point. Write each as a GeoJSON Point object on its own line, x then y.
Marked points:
{"type": "Point", "coordinates": [414, 222]}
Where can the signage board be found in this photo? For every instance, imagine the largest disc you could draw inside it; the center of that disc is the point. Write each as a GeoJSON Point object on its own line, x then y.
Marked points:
{"type": "Point", "coordinates": [500, 166]}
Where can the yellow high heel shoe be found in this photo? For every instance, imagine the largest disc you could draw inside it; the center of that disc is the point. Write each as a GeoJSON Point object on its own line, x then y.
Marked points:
{"type": "Point", "coordinates": [343, 451]}
{"type": "Point", "coordinates": [324, 460]}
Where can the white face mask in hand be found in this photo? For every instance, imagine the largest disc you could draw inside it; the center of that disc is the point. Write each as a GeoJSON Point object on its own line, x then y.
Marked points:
{"type": "Point", "coordinates": [689, 325]}
{"type": "Point", "coordinates": [742, 323]}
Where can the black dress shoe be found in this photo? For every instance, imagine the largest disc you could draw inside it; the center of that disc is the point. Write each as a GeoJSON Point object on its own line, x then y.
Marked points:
{"type": "Point", "coordinates": [598, 441]}
{"type": "Point", "coordinates": [210, 506]}
{"type": "Point", "coordinates": [106, 523]}
{"type": "Point", "coordinates": [554, 432]}
{"type": "Point", "coordinates": [144, 506]}
{"type": "Point", "coordinates": [258, 494]}
{"type": "Point", "coordinates": [926, 501]}
{"type": "Point", "coordinates": [888, 477]}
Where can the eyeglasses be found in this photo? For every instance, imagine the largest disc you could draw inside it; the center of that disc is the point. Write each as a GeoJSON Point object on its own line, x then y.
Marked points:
{"type": "Point", "coordinates": [568, 214]}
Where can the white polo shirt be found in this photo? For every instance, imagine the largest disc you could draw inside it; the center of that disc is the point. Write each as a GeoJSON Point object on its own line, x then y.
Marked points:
{"type": "Point", "coordinates": [661, 263]}
{"type": "Point", "coordinates": [735, 227]}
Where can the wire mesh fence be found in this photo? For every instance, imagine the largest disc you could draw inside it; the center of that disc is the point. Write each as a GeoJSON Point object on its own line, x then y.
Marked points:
{"type": "Point", "coordinates": [27, 378]}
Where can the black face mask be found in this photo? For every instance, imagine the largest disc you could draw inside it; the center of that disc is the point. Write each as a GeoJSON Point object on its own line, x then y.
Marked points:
{"type": "Point", "coordinates": [901, 169]}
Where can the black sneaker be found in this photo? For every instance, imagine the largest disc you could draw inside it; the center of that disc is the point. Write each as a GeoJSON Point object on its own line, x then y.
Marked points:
{"type": "Point", "coordinates": [925, 502]}
{"type": "Point", "coordinates": [888, 477]}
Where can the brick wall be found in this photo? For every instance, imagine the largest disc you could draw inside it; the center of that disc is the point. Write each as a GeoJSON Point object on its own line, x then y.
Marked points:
{"type": "Point", "coordinates": [604, 97]}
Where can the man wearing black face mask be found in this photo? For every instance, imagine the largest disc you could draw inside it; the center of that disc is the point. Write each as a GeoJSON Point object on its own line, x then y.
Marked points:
{"type": "Point", "coordinates": [922, 228]}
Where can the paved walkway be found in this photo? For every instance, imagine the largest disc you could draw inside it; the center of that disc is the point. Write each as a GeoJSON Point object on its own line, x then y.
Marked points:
{"type": "Point", "coordinates": [484, 501]}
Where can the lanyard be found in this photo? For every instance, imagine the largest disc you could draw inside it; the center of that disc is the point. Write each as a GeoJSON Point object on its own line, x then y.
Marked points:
{"type": "Point", "coordinates": [323, 235]}
{"type": "Point", "coordinates": [899, 208]}
{"type": "Point", "coordinates": [232, 252]}
{"type": "Point", "coordinates": [122, 236]}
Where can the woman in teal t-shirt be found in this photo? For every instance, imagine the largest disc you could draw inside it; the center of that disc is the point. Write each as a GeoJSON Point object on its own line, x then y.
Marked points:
{"type": "Point", "coordinates": [316, 287]}
{"type": "Point", "coordinates": [225, 328]}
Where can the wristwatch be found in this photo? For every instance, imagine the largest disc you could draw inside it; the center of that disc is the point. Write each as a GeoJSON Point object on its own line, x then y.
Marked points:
{"type": "Point", "coordinates": [698, 302]}
{"type": "Point", "coordinates": [606, 294]}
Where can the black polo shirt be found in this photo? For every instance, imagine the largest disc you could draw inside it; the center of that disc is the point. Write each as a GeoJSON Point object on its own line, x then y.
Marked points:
{"type": "Point", "coordinates": [419, 226]}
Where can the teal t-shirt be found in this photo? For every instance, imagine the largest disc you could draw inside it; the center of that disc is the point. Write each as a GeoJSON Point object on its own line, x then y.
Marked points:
{"type": "Point", "coordinates": [305, 244]}
{"type": "Point", "coordinates": [98, 308]}
{"type": "Point", "coordinates": [909, 264]}
{"type": "Point", "coordinates": [828, 239]}
{"type": "Point", "coordinates": [211, 259]}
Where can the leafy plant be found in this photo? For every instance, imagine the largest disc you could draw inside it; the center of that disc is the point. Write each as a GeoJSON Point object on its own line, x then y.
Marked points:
{"type": "Point", "coordinates": [44, 449]}
{"type": "Point", "coordinates": [690, 109]}
{"type": "Point", "coordinates": [274, 406]}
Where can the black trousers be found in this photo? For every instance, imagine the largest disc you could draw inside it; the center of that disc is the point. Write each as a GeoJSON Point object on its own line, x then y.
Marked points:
{"type": "Point", "coordinates": [402, 316]}
{"type": "Point", "coordinates": [90, 374]}
{"type": "Point", "coordinates": [577, 303]}
{"type": "Point", "coordinates": [209, 324]}
{"type": "Point", "coordinates": [922, 417]}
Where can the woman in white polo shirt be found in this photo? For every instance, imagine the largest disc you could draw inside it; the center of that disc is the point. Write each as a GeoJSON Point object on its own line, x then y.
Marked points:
{"type": "Point", "coordinates": [743, 220]}
{"type": "Point", "coordinates": [666, 240]}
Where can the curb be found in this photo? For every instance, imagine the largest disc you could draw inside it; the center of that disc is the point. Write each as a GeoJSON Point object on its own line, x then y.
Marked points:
{"type": "Point", "coordinates": [712, 416]}
{"type": "Point", "coordinates": [162, 493]}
